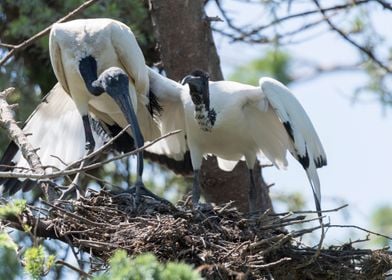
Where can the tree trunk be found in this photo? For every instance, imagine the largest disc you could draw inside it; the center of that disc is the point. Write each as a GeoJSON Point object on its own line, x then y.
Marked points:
{"type": "Point", "coordinates": [185, 41]}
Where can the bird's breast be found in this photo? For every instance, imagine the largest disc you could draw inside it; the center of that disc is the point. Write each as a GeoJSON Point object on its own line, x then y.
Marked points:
{"type": "Point", "coordinates": [230, 137]}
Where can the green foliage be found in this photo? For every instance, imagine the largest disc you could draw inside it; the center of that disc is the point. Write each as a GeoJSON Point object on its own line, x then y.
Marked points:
{"type": "Point", "coordinates": [274, 63]}
{"type": "Point", "coordinates": [36, 263]}
{"type": "Point", "coordinates": [9, 267]}
{"type": "Point", "coordinates": [382, 221]}
{"type": "Point", "coordinates": [146, 267]}
{"type": "Point", "coordinates": [14, 208]}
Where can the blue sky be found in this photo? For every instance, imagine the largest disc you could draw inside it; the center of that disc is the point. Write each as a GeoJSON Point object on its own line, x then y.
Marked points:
{"type": "Point", "coordinates": [357, 137]}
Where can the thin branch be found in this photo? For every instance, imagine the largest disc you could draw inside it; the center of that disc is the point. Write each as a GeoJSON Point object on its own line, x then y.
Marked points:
{"type": "Point", "coordinates": [42, 33]}
{"type": "Point", "coordinates": [277, 21]}
{"type": "Point", "coordinates": [310, 212]}
{"type": "Point", "coordinates": [66, 172]}
{"type": "Point", "coordinates": [361, 228]}
{"type": "Point", "coordinates": [98, 151]}
{"type": "Point", "coordinates": [78, 270]}
{"type": "Point", "coordinates": [345, 36]}
{"type": "Point", "coordinates": [8, 122]}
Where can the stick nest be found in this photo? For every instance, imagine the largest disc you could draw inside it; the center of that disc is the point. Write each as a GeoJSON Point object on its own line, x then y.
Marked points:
{"type": "Point", "coordinates": [220, 242]}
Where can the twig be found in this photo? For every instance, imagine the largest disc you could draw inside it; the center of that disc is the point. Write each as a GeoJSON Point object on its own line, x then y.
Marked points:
{"type": "Point", "coordinates": [258, 29]}
{"type": "Point", "coordinates": [78, 270]}
{"type": "Point", "coordinates": [361, 228]}
{"type": "Point", "coordinates": [8, 122]}
{"type": "Point", "coordinates": [98, 151]}
{"type": "Point", "coordinates": [74, 216]}
{"type": "Point", "coordinates": [309, 212]}
{"type": "Point", "coordinates": [16, 134]}
{"type": "Point", "coordinates": [345, 36]}
{"type": "Point", "coordinates": [61, 173]}
{"type": "Point", "coordinates": [267, 265]}
{"type": "Point", "coordinates": [42, 33]}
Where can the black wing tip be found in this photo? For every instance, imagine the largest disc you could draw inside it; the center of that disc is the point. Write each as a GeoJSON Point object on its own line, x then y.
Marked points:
{"type": "Point", "coordinates": [320, 161]}
{"type": "Point", "coordinates": [317, 202]}
{"type": "Point", "coordinates": [11, 186]}
{"type": "Point", "coordinates": [304, 160]}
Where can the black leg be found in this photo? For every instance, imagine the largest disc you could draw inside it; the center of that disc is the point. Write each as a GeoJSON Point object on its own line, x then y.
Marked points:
{"type": "Point", "coordinates": [196, 189]}
{"type": "Point", "coordinates": [90, 145]}
{"type": "Point", "coordinates": [252, 194]}
{"type": "Point", "coordinates": [90, 142]}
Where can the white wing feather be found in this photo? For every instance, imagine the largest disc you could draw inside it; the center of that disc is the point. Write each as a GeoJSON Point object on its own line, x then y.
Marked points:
{"type": "Point", "coordinates": [226, 165]}
{"type": "Point", "coordinates": [306, 145]}
{"type": "Point", "coordinates": [168, 94]}
{"type": "Point", "coordinates": [56, 128]}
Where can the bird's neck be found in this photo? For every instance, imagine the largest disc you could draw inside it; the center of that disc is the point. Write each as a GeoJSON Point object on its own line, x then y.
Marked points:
{"type": "Point", "coordinates": [205, 117]}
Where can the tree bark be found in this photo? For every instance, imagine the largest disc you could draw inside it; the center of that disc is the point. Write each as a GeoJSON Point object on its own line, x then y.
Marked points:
{"type": "Point", "coordinates": [185, 42]}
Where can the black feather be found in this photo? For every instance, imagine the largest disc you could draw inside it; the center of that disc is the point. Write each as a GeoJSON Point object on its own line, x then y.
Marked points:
{"type": "Point", "coordinates": [304, 160]}
{"type": "Point", "coordinates": [181, 167]}
{"type": "Point", "coordinates": [12, 186]}
{"type": "Point", "coordinates": [153, 105]}
{"type": "Point", "coordinates": [289, 130]}
{"type": "Point", "coordinates": [28, 185]}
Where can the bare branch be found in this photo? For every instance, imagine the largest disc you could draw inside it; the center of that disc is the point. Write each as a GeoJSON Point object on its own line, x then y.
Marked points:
{"type": "Point", "coordinates": [244, 35]}
{"type": "Point", "coordinates": [28, 42]}
{"type": "Point", "coordinates": [8, 122]}
{"type": "Point", "coordinates": [346, 37]}
{"type": "Point", "coordinates": [66, 172]}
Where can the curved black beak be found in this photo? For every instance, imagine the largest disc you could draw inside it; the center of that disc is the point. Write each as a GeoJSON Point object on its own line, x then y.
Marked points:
{"type": "Point", "coordinates": [115, 82]}
{"type": "Point", "coordinates": [187, 79]}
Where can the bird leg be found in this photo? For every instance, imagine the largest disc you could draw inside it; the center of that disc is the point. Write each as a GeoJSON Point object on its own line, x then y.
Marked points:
{"type": "Point", "coordinates": [252, 194]}
{"type": "Point", "coordinates": [90, 145]}
{"type": "Point", "coordinates": [196, 189]}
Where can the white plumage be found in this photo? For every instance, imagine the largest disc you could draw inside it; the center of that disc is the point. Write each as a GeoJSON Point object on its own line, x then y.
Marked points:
{"type": "Point", "coordinates": [99, 64]}
{"type": "Point", "coordinates": [240, 121]}
{"type": "Point", "coordinates": [112, 44]}
{"type": "Point", "coordinates": [55, 129]}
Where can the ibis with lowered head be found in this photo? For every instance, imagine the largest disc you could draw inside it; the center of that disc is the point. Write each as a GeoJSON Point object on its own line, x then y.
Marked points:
{"type": "Point", "coordinates": [99, 64]}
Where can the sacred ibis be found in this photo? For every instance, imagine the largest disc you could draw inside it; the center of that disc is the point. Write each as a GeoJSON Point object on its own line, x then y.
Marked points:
{"type": "Point", "coordinates": [99, 64]}
{"type": "Point", "coordinates": [235, 121]}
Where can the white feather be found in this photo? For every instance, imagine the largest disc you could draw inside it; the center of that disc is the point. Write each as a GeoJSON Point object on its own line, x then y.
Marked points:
{"type": "Point", "coordinates": [249, 120]}
{"type": "Point", "coordinates": [56, 129]}
{"type": "Point", "coordinates": [226, 165]}
{"type": "Point", "coordinates": [169, 94]}
{"type": "Point", "coordinates": [306, 141]}
{"type": "Point", "coordinates": [111, 43]}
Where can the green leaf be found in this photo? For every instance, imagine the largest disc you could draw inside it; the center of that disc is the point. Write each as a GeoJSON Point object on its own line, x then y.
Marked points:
{"type": "Point", "coordinates": [146, 267]}
{"type": "Point", "coordinates": [36, 263]}
{"type": "Point", "coordinates": [10, 267]}
{"type": "Point", "coordinates": [274, 63]}
{"type": "Point", "coordinates": [13, 208]}
{"type": "Point", "coordinates": [34, 258]}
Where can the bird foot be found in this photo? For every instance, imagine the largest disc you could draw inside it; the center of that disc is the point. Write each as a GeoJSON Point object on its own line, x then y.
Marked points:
{"type": "Point", "coordinates": [140, 190]}
{"type": "Point", "coordinates": [202, 207]}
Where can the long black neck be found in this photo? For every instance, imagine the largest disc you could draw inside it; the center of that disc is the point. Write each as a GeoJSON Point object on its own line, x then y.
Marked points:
{"type": "Point", "coordinates": [88, 70]}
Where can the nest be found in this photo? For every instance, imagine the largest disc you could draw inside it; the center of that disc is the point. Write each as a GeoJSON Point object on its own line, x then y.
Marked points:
{"type": "Point", "coordinates": [220, 242]}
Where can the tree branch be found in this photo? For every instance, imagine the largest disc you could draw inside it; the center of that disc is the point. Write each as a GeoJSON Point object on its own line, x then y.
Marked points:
{"type": "Point", "coordinates": [345, 36]}
{"type": "Point", "coordinates": [28, 42]}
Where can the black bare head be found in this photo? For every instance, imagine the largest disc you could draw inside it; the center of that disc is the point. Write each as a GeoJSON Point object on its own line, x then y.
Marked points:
{"type": "Point", "coordinates": [113, 79]}
{"type": "Point", "coordinates": [198, 87]}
